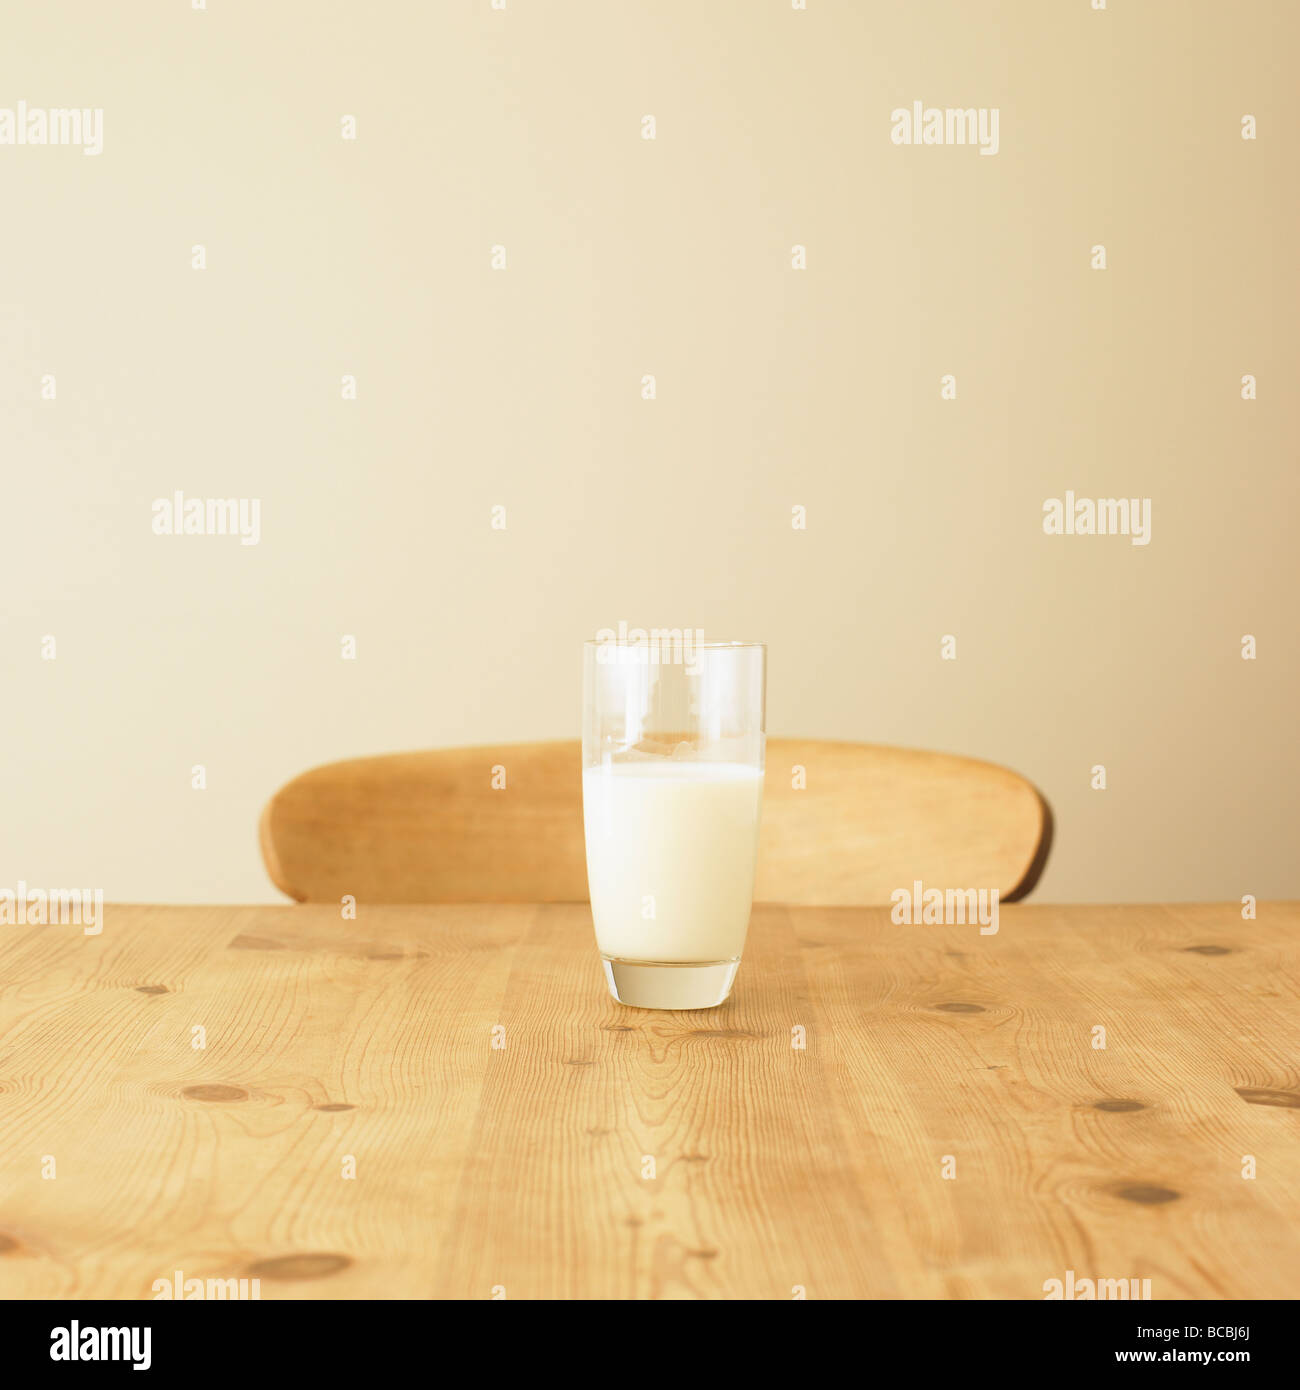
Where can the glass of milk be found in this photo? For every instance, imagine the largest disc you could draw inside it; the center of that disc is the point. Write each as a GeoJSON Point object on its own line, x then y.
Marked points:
{"type": "Point", "coordinates": [672, 787]}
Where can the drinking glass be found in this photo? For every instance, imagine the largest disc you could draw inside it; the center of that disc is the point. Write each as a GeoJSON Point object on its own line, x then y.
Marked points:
{"type": "Point", "coordinates": [672, 788]}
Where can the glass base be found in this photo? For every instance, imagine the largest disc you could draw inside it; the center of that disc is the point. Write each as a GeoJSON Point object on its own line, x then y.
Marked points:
{"type": "Point", "coordinates": [646, 984]}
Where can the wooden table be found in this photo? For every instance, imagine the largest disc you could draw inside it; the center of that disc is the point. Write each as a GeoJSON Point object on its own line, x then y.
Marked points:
{"type": "Point", "coordinates": [525, 1167]}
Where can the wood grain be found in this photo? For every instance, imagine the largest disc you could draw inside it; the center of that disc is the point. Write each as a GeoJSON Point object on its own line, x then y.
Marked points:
{"type": "Point", "coordinates": [843, 824]}
{"type": "Point", "coordinates": [521, 1168]}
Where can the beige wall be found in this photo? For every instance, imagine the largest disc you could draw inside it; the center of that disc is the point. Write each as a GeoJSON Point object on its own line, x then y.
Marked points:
{"type": "Point", "coordinates": [776, 388]}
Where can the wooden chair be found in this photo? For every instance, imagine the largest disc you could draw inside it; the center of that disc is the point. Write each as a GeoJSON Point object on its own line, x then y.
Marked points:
{"type": "Point", "coordinates": [431, 827]}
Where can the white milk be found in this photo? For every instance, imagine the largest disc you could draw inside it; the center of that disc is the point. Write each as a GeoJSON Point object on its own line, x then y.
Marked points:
{"type": "Point", "coordinates": [682, 834]}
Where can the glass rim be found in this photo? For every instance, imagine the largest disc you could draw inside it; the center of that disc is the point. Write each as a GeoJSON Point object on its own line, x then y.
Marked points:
{"type": "Point", "coordinates": [639, 642]}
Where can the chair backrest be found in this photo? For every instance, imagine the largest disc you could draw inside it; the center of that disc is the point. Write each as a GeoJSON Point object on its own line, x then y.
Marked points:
{"type": "Point", "coordinates": [844, 824]}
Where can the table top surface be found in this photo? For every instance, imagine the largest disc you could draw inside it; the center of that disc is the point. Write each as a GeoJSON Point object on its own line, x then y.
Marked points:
{"type": "Point", "coordinates": [445, 1102]}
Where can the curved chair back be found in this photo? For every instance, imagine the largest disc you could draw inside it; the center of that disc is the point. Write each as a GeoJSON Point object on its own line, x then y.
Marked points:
{"type": "Point", "coordinates": [844, 824]}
